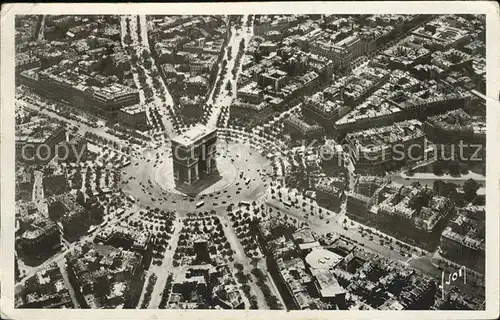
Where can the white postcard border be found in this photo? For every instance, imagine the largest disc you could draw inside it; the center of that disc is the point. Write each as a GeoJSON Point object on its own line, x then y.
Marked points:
{"type": "Point", "coordinates": [7, 161]}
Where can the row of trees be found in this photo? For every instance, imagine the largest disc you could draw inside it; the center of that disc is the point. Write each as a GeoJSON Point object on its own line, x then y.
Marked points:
{"type": "Point", "coordinates": [218, 85]}
{"type": "Point", "coordinates": [76, 178]}
{"type": "Point", "coordinates": [454, 168]}
{"type": "Point", "coordinates": [139, 35]}
{"type": "Point", "coordinates": [243, 280]}
{"type": "Point", "coordinates": [155, 117]}
{"type": "Point", "coordinates": [249, 21]}
{"type": "Point", "coordinates": [449, 189]}
{"type": "Point", "coordinates": [229, 86]}
{"type": "Point", "coordinates": [148, 92]}
{"type": "Point", "coordinates": [236, 20]}
{"type": "Point", "coordinates": [146, 59]}
{"type": "Point", "coordinates": [271, 299]}
{"type": "Point", "coordinates": [127, 38]}
{"type": "Point", "coordinates": [208, 225]}
{"type": "Point", "coordinates": [166, 292]}
{"type": "Point", "coordinates": [149, 291]}
{"type": "Point", "coordinates": [222, 115]}
{"type": "Point", "coordinates": [120, 130]}
{"type": "Point", "coordinates": [101, 140]}
{"type": "Point", "coordinates": [243, 223]}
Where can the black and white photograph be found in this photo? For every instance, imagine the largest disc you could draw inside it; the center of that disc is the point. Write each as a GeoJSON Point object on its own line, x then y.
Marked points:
{"type": "Point", "coordinates": [255, 160]}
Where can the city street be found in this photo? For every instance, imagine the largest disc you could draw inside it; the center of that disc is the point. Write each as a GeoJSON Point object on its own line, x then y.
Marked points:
{"type": "Point", "coordinates": [38, 194]}
{"type": "Point", "coordinates": [240, 257]}
{"type": "Point", "coordinates": [161, 98]}
{"type": "Point", "coordinates": [41, 36]}
{"type": "Point", "coordinates": [165, 268]}
{"type": "Point", "coordinates": [123, 32]}
{"type": "Point", "coordinates": [82, 128]}
{"type": "Point", "coordinates": [350, 226]}
{"type": "Point", "coordinates": [62, 266]}
{"type": "Point", "coordinates": [321, 227]}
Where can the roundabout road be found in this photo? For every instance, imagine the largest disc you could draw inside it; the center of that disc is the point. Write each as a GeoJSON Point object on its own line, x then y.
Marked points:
{"type": "Point", "coordinates": [149, 179]}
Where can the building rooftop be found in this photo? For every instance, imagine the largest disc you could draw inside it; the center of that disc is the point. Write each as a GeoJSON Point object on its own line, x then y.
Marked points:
{"type": "Point", "coordinates": [320, 258]}
{"type": "Point", "coordinates": [441, 32]}
{"type": "Point", "coordinates": [37, 131]}
{"type": "Point", "coordinates": [450, 58]}
{"type": "Point", "coordinates": [382, 137]}
{"type": "Point", "coordinates": [134, 109]}
{"type": "Point", "coordinates": [327, 186]}
{"type": "Point", "coordinates": [391, 304]}
{"type": "Point", "coordinates": [193, 135]}
{"type": "Point", "coordinates": [327, 283]}
{"type": "Point", "coordinates": [72, 210]}
{"type": "Point", "coordinates": [138, 239]}
{"type": "Point", "coordinates": [459, 121]}
{"type": "Point", "coordinates": [88, 265]}
{"type": "Point", "coordinates": [46, 289]}
{"type": "Point", "coordinates": [364, 80]}
{"type": "Point", "coordinates": [325, 104]}
{"type": "Point", "coordinates": [304, 236]}
{"type": "Point", "coordinates": [250, 88]}
{"type": "Point", "coordinates": [303, 126]}
{"type": "Point", "coordinates": [70, 76]}
{"type": "Point", "coordinates": [41, 226]}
